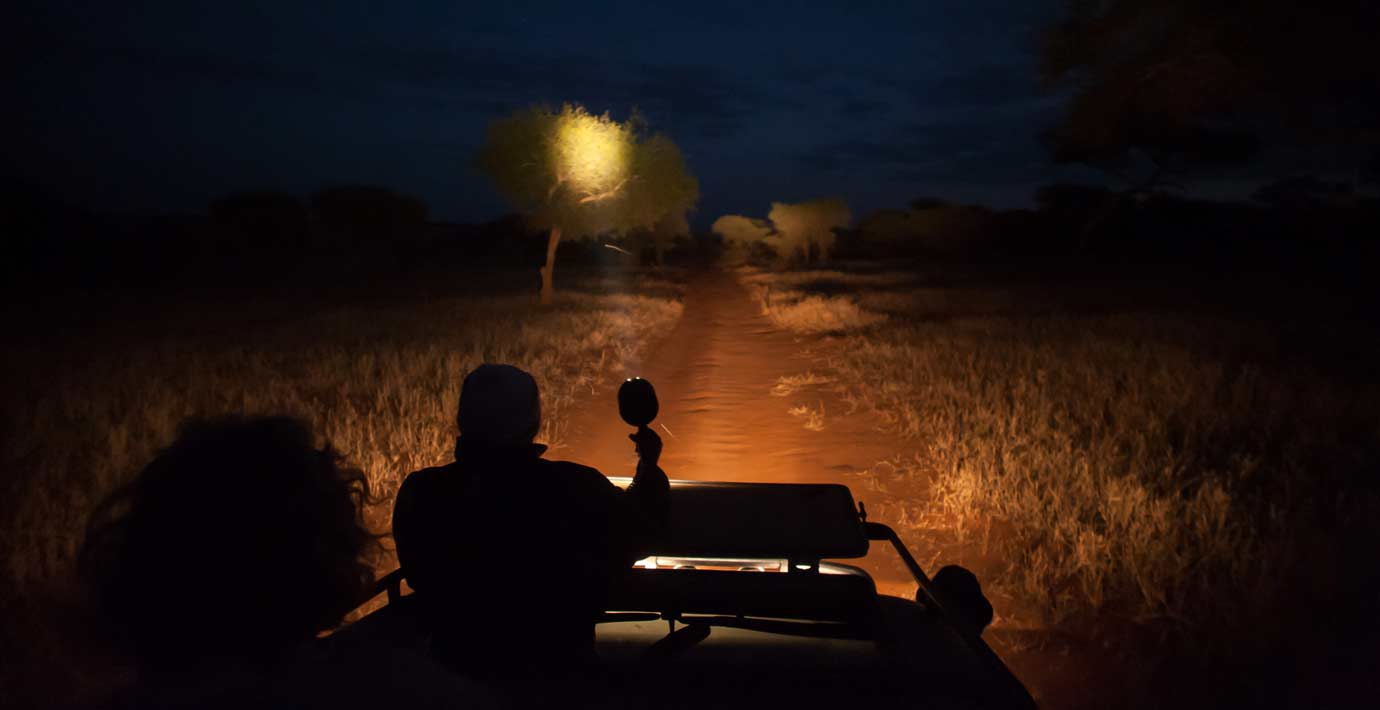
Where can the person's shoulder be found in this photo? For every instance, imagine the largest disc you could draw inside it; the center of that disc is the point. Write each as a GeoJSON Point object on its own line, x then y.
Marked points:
{"type": "Point", "coordinates": [423, 474]}
{"type": "Point", "coordinates": [578, 473]}
{"type": "Point", "coordinates": [425, 477]}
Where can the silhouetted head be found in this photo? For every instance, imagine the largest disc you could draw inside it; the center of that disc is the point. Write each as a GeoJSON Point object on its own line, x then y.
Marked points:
{"type": "Point", "coordinates": [499, 406]}
{"type": "Point", "coordinates": [239, 540]}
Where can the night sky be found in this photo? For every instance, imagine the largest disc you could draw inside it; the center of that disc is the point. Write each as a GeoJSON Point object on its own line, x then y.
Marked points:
{"type": "Point", "coordinates": [166, 105]}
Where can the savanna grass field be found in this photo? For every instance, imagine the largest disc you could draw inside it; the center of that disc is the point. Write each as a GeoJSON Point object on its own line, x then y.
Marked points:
{"type": "Point", "coordinates": [89, 402]}
{"type": "Point", "coordinates": [1184, 490]}
{"type": "Point", "coordinates": [1178, 482]}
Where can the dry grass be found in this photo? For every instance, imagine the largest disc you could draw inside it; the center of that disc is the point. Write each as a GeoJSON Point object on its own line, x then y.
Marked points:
{"type": "Point", "coordinates": [790, 384]}
{"type": "Point", "coordinates": [824, 277]}
{"type": "Point", "coordinates": [930, 302]}
{"type": "Point", "coordinates": [813, 416]}
{"type": "Point", "coordinates": [802, 312]}
{"type": "Point", "coordinates": [377, 374]}
{"type": "Point", "coordinates": [379, 382]}
{"type": "Point", "coordinates": [1139, 471]}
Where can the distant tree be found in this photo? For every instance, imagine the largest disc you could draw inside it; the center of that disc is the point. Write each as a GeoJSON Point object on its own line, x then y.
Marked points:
{"type": "Point", "coordinates": [1369, 173]}
{"type": "Point", "coordinates": [1065, 198]}
{"type": "Point", "coordinates": [1162, 90]}
{"type": "Point", "coordinates": [887, 229]}
{"type": "Point", "coordinates": [1166, 88]}
{"type": "Point", "coordinates": [661, 193]}
{"type": "Point", "coordinates": [736, 229]}
{"type": "Point", "coordinates": [807, 229]}
{"type": "Point", "coordinates": [669, 230]}
{"type": "Point", "coordinates": [660, 237]}
{"type": "Point", "coordinates": [264, 217]}
{"type": "Point", "coordinates": [1303, 191]}
{"type": "Point", "coordinates": [574, 173]}
{"type": "Point", "coordinates": [745, 235]}
{"type": "Point", "coordinates": [358, 214]}
{"type": "Point", "coordinates": [930, 226]}
{"type": "Point", "coordinates": [927, 203]}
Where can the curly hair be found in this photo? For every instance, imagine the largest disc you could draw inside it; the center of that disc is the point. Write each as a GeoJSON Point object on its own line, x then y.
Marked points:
{"type": "Point", "coordinates": [240, 538]}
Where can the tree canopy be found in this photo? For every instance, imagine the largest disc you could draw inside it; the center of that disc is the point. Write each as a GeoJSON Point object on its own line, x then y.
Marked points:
{"type": "Point", "coordinates": [806, 230]}
{"type": "Point", "coordinates": [367, 212]}
{"type": "Point", "coordinates": [586, 174]}
{"type": "Point", "coordinates": [264, 216]}
{"type": "Point", "coordinates": [802, 231]}
{"type": "Point", "coordinates": [1163, 88]}
{"type": "Point", "coordinates": [572, 172]}
{"type": "Point", "coordinates": [929, 226]}
{"type": "Point", "coordinates": [741, 231]}
{"type": "Point", "coordinates": [661, 190]}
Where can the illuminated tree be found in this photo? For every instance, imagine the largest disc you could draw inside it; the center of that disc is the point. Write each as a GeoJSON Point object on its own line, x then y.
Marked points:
{"type": "Point", "coordinates": [806, 230]}
{"type": "Point", "coordinates": [660, 194]}
{"type": "Point", "coordinates": [745, 234]}
{"type": "Point", "coordinates": [670, 228]}
{"type": "Point", "coordinates": [660, 237]}
{"type": "Point", "coordinates": [579, 175]}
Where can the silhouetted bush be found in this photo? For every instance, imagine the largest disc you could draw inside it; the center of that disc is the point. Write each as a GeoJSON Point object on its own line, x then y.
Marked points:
{"type": "Point", "coordinates": [355, 214]}
{"type": "Point", "coordinates": [264, 218]}
{"type": "Point", "coordinates": [930, 228]}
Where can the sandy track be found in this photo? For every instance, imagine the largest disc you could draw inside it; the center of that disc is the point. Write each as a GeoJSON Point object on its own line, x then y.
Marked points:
{"type": "Point", "coordinates": [719, 420]}
{"type": "Point", "coordinates": [714, 374]}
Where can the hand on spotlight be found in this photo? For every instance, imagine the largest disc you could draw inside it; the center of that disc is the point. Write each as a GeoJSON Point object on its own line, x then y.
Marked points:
{"type": "Point", "coordinates": [648, 447]}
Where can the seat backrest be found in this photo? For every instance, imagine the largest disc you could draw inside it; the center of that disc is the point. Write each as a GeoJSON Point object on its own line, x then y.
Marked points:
{"type": "Point", "coordinates": [794, 521]}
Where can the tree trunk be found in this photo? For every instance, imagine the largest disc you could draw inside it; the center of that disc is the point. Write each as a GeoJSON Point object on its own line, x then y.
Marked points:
{"type": "Point", "coordinates": [548, 290]}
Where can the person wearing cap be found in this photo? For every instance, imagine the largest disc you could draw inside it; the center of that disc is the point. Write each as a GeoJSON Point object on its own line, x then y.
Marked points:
{"type": "Point", "coordinates": [511, 555]}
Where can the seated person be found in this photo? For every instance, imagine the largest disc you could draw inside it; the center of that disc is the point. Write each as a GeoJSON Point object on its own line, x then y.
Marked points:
{"type": "Point", "coordinates": [511, 555]}
{"type": "Point", "coordinates": [217, 567]}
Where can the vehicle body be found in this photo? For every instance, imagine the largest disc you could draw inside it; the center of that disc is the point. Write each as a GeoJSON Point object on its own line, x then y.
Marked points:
{"type": "Point", "coordinates": [745, 607]}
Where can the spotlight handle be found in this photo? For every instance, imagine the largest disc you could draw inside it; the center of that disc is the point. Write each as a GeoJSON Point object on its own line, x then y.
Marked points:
{"type": "Point", "coordinates": [636, 446]}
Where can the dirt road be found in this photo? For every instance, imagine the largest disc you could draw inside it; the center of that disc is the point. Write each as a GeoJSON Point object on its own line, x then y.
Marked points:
{"type": "Point", "coordinates": [719, 419]}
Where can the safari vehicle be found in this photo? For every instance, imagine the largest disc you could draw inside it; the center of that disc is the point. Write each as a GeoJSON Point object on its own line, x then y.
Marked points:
{"type": "Point", "coordinates": [747, 605]}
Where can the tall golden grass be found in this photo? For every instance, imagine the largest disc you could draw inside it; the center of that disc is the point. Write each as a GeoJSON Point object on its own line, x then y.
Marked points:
{"type": "Point", "coordinates": [377, 374]}
{"type": "Point", "coordinates": [380, 382]}
{"type": "Point", "coordinates": [797, 310]}
{"type": "Point", "coordinates": [1145, 471]}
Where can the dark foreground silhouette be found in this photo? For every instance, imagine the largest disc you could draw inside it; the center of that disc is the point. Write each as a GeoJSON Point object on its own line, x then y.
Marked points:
{"type": "Point", "coordinates": [500, 613]}
{"type": "Point", "coordinates": [219, 564]}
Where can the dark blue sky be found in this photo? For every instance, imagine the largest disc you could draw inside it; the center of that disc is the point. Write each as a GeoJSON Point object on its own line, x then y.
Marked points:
{"type": "Point", "coordinates": [165, 105]}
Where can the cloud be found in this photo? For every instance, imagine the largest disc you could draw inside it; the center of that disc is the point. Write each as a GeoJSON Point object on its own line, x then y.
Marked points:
{"type": "Point", "coordinates": [986, 84]}
{"type": "Point", "coordinates": [962, 144]}
{"type": "Point", "coordinates": [695, 90]}
{"type": "Point", "coordinates": [197, 66]}
{"type": "Point", "coordinates": [757, 106]}
{"type": "Point", "coordinates": [699, 100]}
{"type": "Point", "coordinates": [856, 108]}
